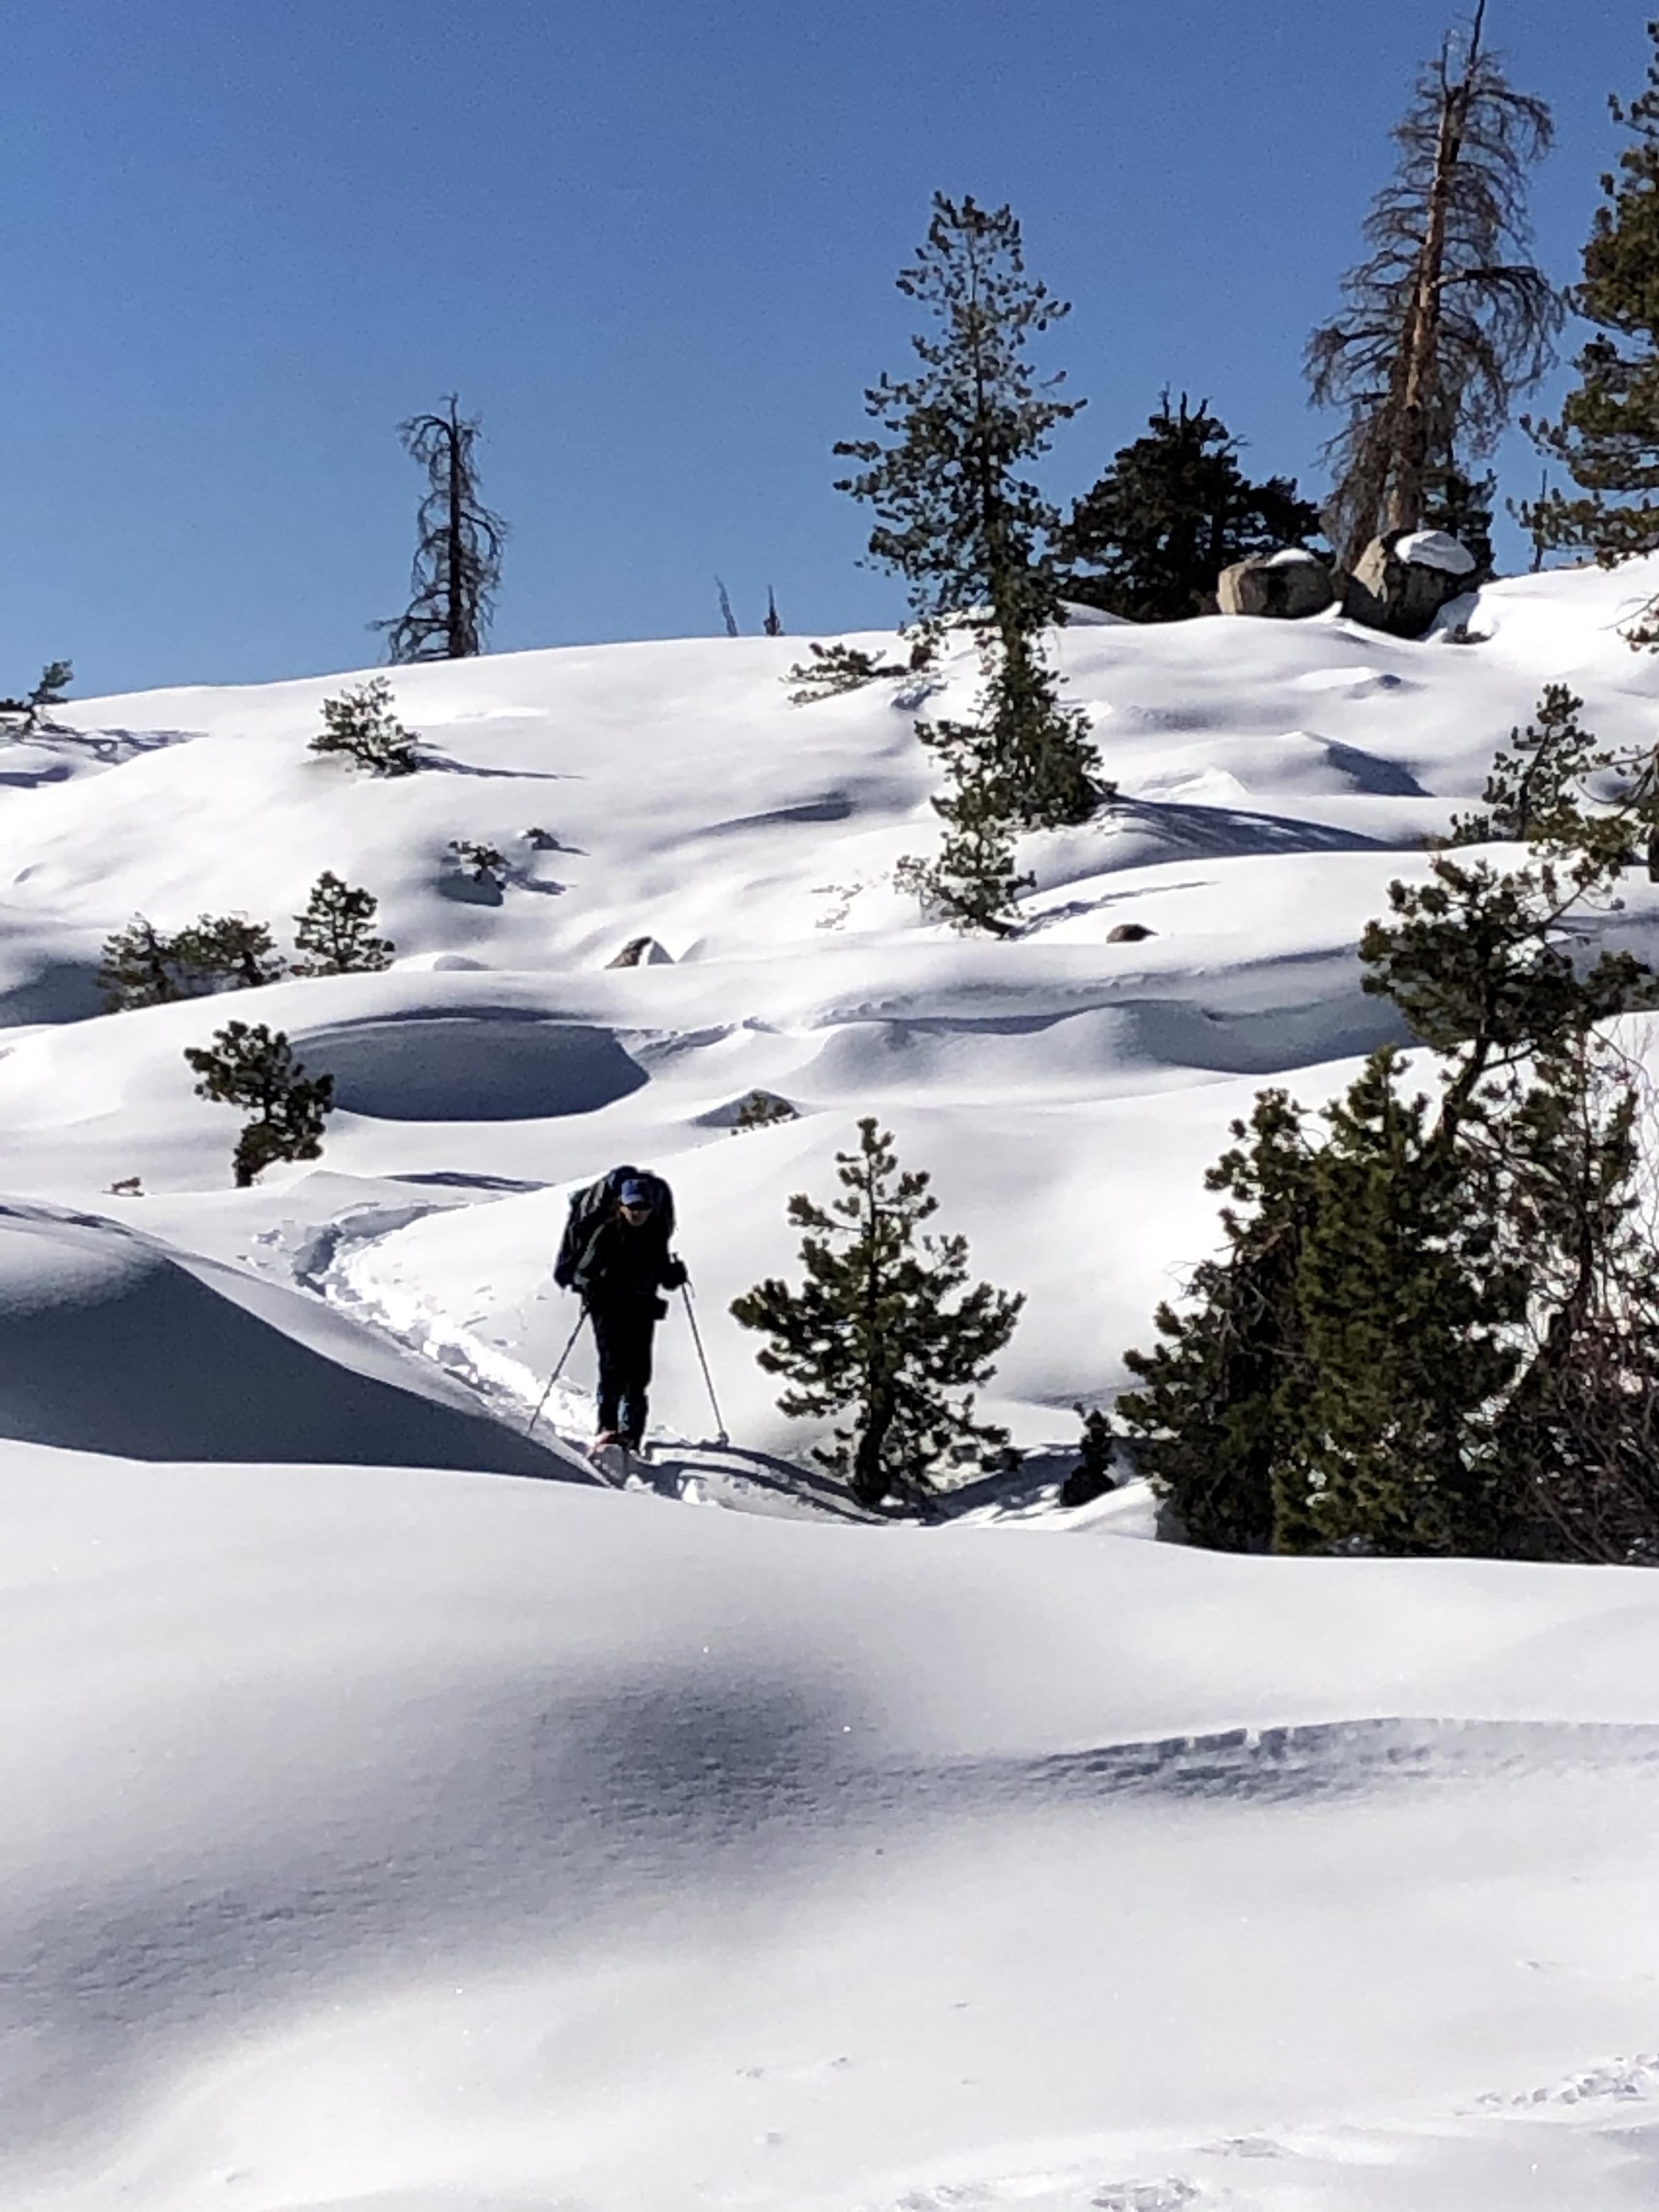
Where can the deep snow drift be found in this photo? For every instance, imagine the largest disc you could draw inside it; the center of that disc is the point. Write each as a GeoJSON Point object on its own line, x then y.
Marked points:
{"type": "Point", "coordinates": [432, 1842]}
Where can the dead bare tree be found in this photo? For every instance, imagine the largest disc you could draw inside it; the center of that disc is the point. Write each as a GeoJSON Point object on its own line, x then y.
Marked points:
{"type": "Point", "coordinates": [1448, 320]}
{"type": "Point", "coordinates": [457, 556]}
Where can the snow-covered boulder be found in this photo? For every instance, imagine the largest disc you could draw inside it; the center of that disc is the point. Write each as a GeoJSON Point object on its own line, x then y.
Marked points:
{"type": "Point", "coordinates": [1291, 584]}
{"type": "Point", "coordinates": [1403, 579]}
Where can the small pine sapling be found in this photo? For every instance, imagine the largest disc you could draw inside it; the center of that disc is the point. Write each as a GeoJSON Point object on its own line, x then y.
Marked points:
{"type": "Point", "coordinates": [884, 1328]}
{"type": "Point", "coordinates": [482, 862]}
{"type": "Point", "coordinates": [360, 725]}
{"type": "Point", "coordinates": [138, 968]}
{"type": "Point", "coordinates": [1092, 1476]}
{"type": "Point", "coordinates": [726, 615]}
{"type": "Point", "coordinates": [761, 1110]}
{"type": "Point", "coordinates": [254, 1066]}
{"type": "Point", "coordinates": [226, 952]}
{"type": "Point", "coordinates": [334, 933]}
{"type": "Point", "coordinates": [773, 623]}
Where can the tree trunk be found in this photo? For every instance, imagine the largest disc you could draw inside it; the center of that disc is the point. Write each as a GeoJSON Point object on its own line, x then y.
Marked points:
{"type": "Point", "coordinates": [458, 641]}
{"type": "Point", "coordinates": [1420, 347]}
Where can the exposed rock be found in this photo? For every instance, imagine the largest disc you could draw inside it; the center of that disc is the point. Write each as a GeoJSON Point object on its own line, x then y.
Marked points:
{"type": "Point", "coordinates": [641, 953]}
{"type": "Point", "coordinates": [1291, 584]}
{"type": "Point", "coordinates": [1129, 933]}
{"type": "Point", "coordinates": [1401, 581]}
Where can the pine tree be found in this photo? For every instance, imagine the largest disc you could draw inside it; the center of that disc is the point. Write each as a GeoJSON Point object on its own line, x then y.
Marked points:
{"type": "Point", "coordinates": [883, 1328]}
{"type": "Point", "coordinates": [972, 881]}
{"type": "Point", "coordinates": [360, 725]}
{"type": "Point", "coordinates": [142, 967]}
{"type": "Point", "coordinates": [458, 556]}
{"type": "Point", "coordinates": [1212, 1413]}
{"type": "Point", "coordinates": [1447, 320]}
{"type": "Point", "coordinates": [255, 1067]}
{"type": "Point", "coordinates": [772, 624]}
{"type": "Point", "coordinates": [1406, 1309]}
{"type": "Point", "coordinates": [1172, 511]}
{"type": "Point", "coordinates": [226, 952]}
{"type": "Point", "coordinates": [1438, 1330]}
{"type": "Point", "coordinates": [726, 615]}
{"type": "Point", "coordinates": [954, 516]}
{"type": "Point", "coordinates": [1607, 432]}
{"type": "Point", "coordinates": [1535, 790]}
{"type": "Point", "coordinates": [334, 933]}
{"type": "Point", "coordinates": [138, 968]}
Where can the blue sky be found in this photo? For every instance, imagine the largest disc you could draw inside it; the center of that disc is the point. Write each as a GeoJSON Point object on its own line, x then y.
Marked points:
{"type": "Point", "coordinates": [653, 245]}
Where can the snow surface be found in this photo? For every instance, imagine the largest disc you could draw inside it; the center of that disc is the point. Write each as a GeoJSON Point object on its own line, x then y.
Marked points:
{"type": "Point", "coordinates": [384, 1832]}
{"type": "Point", "coordinates": [1435, 548]}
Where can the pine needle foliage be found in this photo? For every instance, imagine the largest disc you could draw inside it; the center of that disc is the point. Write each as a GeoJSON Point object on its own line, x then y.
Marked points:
{"type": "Point", "coordinates": [458, 556]}
{"type": "Point", "coordinates": [1435, 1327]}
{"type": "Point", "coordinates": [1535, 790]}
{"type": "Point", "coordinates": [360, 725]}
{"type": "Point", "coordinates": [831, 670]}
{"type": "Point", "coordinates": [143, 967]}
{"type": "Point", "coordinates": [884, 1328]}
{"type": "Point", "coordinates": [255, 1067]}
{"type": "Point", "coordinates": [1607, 432]}
{"type": "Point", "coordinates": [955, 515]}
{"type": "Point", "coordinates": [1173, 510]}
{"type": "Point", "coordinates": [334, 935]}
{"type": "Point", "coordinates": [1448, 319]}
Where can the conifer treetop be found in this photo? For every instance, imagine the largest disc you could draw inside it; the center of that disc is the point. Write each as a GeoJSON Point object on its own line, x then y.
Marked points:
{"type": "Point", "coordinates": [954, 517]}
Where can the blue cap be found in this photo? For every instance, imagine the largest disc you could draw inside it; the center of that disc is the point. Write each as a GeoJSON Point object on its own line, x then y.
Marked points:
{"type": "Point", "coordinates": [634, 1192]}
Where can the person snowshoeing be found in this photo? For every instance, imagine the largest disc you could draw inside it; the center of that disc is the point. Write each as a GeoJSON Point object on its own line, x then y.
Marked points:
{"type": "Point", "coordinates": [618, 1261]}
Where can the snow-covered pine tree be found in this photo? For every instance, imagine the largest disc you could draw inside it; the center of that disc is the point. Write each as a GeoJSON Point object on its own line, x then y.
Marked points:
{"type": "Point", "coordinates": [360, 725]}
{"type": "Point", "coordinates": [1447, 320]}
{"type": "Point", "coordinates": [334, 935]}
{"type": "Point", "coordinates": [255, 1067]}
{"type": "Point", "coordinates": [1173, 510]}
{"type": "Point", "coordinates": [1606, 434]}
{"type": "Point", "coordinates": [458, 553]}
{"type": "Point", "coordinates": [884, 1328]}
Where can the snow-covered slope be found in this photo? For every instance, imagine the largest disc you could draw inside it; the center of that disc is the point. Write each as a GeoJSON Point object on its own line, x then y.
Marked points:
{"type": "Point", "coordinates": [428, 1842]}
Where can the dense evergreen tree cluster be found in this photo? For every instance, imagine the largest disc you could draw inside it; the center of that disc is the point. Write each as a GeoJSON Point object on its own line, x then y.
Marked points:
{"type": "Point", "coordinates": [1434, 1327]}
{"type": "Point", "coordinates": [143, 966]}
{"type": "Point", "coordinates": [1174, 509]}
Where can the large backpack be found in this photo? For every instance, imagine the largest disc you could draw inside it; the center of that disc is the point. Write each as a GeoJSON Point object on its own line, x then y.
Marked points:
{"type": "Point", "coordinates": [591, 1206]}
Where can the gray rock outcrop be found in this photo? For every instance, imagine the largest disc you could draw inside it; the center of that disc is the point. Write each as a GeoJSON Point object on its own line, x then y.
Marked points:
{"type": "Point", "coordinates": [1289, 585]}
{"type": "Point", "coordinates": [1401, 581]}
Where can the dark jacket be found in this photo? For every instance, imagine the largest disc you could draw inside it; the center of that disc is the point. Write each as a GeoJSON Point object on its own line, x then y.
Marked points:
{"type": "Point", "coordinates": [625, 1263]}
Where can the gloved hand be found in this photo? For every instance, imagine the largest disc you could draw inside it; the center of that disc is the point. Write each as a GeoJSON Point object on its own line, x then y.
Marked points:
{"type": "Point", "coordinates": [674, 1274]}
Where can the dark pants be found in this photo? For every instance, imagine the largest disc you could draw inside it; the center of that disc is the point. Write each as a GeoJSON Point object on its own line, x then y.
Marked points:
{"type": "Point", "coordinates": [623, 1329]}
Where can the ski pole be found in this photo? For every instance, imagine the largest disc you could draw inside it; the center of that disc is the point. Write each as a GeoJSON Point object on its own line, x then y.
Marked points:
{"type": "Point", "coordinates": [720, 1436]}
{"type": "Point", "coordinates": [557, 1372]}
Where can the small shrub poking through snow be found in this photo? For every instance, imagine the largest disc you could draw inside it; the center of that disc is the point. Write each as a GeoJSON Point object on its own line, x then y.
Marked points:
{"type": "Point", "coordinates": [760, 1110]}
{"type": "Point", "coordinates": [882, 1328]}
{"type": "Point", "coordinates": [360, 724]}
{"type": "Point", "coordinates": [255, 1066]}
{"type": "Point", "coordinates": [483, 862]}
{"type": "Point", "coordinates": [336, 932]}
